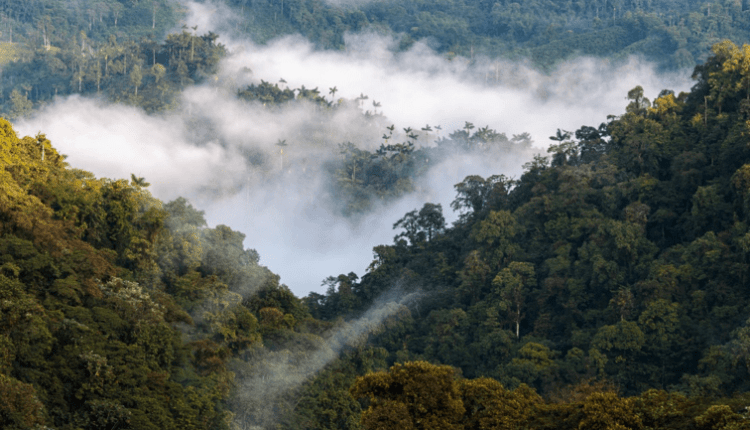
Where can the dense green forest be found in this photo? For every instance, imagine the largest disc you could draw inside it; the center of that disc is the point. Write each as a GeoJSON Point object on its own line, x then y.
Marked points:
{"type": "Point", "coordinates": [119, 311]}
{"type": "Point", "coordinates": [122, 49]}
{"type": "Point", "coordinates": [603, 289]}
{"type": "Point", "coordinates": [620, 258]}
{"type": "Point", "coordinates": [672, 33]}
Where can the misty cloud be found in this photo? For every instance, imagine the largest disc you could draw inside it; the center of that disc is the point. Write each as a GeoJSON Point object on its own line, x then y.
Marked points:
{"type": "Point", "coordinates": [115, 141]}
{"type": "Point", "coordinates": [220, 152]}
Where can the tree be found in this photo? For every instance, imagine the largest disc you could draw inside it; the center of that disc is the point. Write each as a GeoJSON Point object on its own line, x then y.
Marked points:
{"type": "Point", "coordinates": [281, 144]}
{"type": "Point", "coordinates": [622, 342]}
{"type": "Point", "coordinates": [138, 181]}
{"type": "Point", "coordinates": [423, 225]}
{"type": "Point", "coordinates": [475, 194]}
{"type": "Point", "coordinates": [496, 233]}
{"type": "Point", "coordinates": [474, 277]}
{"type": "Point", "coordinates": [512, 285]}
{"type": "Point", "coordinates": [20, 105]}
{"type": "Point", "coordinates": [638, 103]}
{"type": "Point", "coordinates": [414, 395]}
{"type": "Point", "coordinates": [431, 219]}
{"type": "Point", "coordinates": [20, 407]}
{"type": "Point", "coordinates": [660, 322]}
{"type": "Point", "coordinates": [489, 405]}
{"type": "Point", "coordinates": [471, 195]}
{"type": "Point", "coordinates": [607, 411]}
{"type": "Point", "coordinates": [721, 417]}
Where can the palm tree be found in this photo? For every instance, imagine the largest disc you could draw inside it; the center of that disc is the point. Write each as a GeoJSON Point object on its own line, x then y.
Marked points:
{"type": "Point", "coordinates": [41, 138]}
{"type": "Point", "coordinates": [281, 143]}
{"type": "Point", "coordinates": [561, 135]}
{"type": "Point", "coordinates": [138, 181]}
{"type": "Point", "coordinates": [427, 129]}
{"type": "Point", "coordinates": [362, 97]}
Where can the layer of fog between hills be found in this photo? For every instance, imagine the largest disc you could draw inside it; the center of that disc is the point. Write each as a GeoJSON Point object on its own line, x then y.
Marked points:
{"type": "Point", "coordinates": [220, 153]}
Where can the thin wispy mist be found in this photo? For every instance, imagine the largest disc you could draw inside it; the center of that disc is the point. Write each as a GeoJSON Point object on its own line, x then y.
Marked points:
{"type": "Point", "coordinates": [263, 380]}
{"type": "Point", "coordinates": [221, 153]}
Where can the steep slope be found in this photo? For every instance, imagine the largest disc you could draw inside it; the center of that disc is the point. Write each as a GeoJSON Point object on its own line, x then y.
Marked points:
{"type": "Point", "coordinates": [118, 311]}
{"type": "Point", "coordinates": [621, 256]}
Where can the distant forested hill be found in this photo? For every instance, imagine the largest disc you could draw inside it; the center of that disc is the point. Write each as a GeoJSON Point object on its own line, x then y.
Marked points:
{"type": "Point", "coordinates": [52, 47]}
{"type": "Point", "coordinates": [674, 33]}
{"type": "Point", "coordinates": [55, 22]}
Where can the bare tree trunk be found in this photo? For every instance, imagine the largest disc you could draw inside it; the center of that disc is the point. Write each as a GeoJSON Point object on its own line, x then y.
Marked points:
{"type": "Point", "coordinates": [705, 111]}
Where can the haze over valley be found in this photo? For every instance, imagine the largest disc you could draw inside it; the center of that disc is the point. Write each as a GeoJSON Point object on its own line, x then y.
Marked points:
{"type": "Point", "coordinates": [197, 150]}
{"type": "Point", "coordinates": [374, 214]}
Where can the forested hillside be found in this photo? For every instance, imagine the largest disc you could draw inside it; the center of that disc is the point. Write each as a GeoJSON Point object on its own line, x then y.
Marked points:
{"type": "Point", "coordinates": [119, 311]}
{"type": "Point", "coordinates": [674, 33]}
{"type": "Point", "coordinates": [602, 289]}
{"type": "Point", "coordinates": [605, 288]}
{"type": "Point", "coordinates": [619, 258]}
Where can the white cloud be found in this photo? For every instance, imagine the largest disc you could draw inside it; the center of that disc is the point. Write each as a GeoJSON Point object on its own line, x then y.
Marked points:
{"type": "Point", "coordinates": [286, 215]}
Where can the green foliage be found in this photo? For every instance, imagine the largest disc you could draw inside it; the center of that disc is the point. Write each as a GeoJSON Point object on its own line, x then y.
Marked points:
{"type": "Point", "coordinates": [364, 177]}
{"type": "Point", "coordinates": [415, 395]}
{"type": "Point", "coordinates": [675, 33]}
{"type": "Point", "coordinates": [94, 276]}
{"type": "Point", "coordinates": [621, 258]}
{"type": "Point", "coordinates": [618, 260]}
{"type": "Point", "coordinates": [147, 73]}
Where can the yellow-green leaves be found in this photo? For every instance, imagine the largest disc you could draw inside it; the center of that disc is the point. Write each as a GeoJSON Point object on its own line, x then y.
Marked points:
{"type": "Point", "coordinates": [414, 395]}
{"type": "Point", "coordinates": [20, 407]}
{"type": "Point", "coordinates": [608, 411]}
{"type": "Point", "coordinates": [490, 406]}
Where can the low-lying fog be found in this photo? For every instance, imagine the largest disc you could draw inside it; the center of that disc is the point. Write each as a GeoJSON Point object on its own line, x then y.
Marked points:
{"type": "Point", "coordinates": [285, 209]}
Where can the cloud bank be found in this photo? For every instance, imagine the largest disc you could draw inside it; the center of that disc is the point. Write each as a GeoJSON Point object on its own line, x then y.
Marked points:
{"type": "Point", "coordinates": [220, 153]}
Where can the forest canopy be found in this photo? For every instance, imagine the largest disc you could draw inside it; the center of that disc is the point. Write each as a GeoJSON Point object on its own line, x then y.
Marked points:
{"type": "Point", "coordinates": [123, 48]}
{"type": "Point", "coordinates": [601, 289]}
